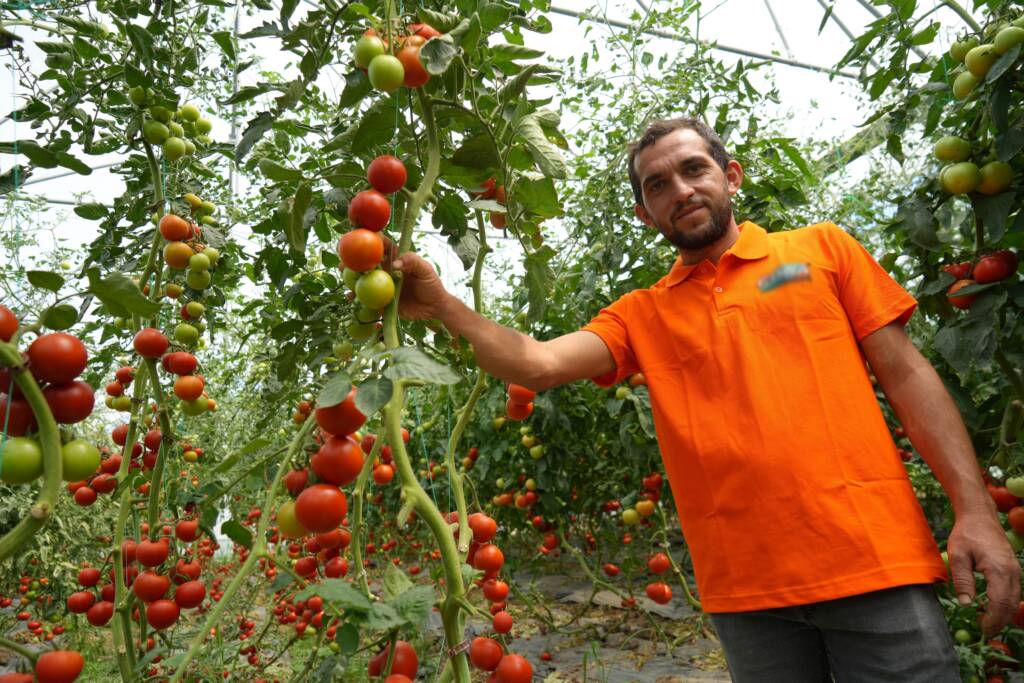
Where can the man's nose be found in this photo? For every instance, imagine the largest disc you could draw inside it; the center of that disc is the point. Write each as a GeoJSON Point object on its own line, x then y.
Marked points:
{"type": "Point", "coordinates": [682, 191]}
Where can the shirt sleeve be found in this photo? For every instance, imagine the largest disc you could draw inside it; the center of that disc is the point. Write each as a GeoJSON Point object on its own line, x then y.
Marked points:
{"type": "Point", "coordinates": [612, 326]}
{"type": "Point", "coordinates": [871, 298]}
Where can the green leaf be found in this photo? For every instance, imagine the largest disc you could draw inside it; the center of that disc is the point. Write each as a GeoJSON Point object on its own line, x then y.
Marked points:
{"type": "Point", "coordinates": [120, 295]}
{"type": "Point", "coordinates": [539, 196]}
{"type": "Point", "coordinates": [917, 219]}
{"type": "Point", "coordinates": [1002, 65]}
{"type": "Point", "coordinates": [468, 34]}
{"type": "Point", "coordinates": [85, 49]}
{"type": "Point", "coordinates": [478, 152]}
{"type": "Point", "coordinates": [141, 40]}
{"type": "Point", "coordinates": [993, 212]}
{"type": "Point", "coordinates": [237, 533]}
{"type": "Point", "coordinates": [40, 156]}
{"type": "Point", "coordinates": [412, 362]}
{"type": "Point", "coordinates": [442, 21]}
{"type": "Point", "coordinates": [515, 87]}
{"type": "Point", "coordinates": [373, 394]}
{"type": "Point", "coordinates": [395, 582]}
{"type": "Point", "coordinates": [466, 248]}
{"type": "Point", "coordinates": [275, 171]}
{"type": "Point", "coordinates": [377, 126]}
{"type": "Point", "coordinates": [339, 593]}
{"type": "Point", "coordinates": [383, 617]}
{"type": "Point", "coordinates": [247, 93]}
{"type": "Point", "coordinates": [450, 214]}
{"type": "Point", "coordinates": [59, 317]}
{"type": "Point", "coordinates": [437, 54]}
{"type": "Point", "coordinates": [413, 604]}
{"type": "Point", "coordinates": [347, 639]}
{"type": "Point", "coordinates": [493, 15]}
{"type": "Point", "coordinates": [544, 152]}
{"type": "Point", "coordinates": [335, 391]}
{"type": "Point", "coordinates": [824, 18]}
{"type": "Point", "coordinates": [288, 328]}
{"type": "Point", "coordinates": [227, 463]}
{"type": "Point", "coordinates": [300, 203]}
{"type": "Point", "coordinates": [73, 163]}
{"type": "Point", "coordinates": [1008, 144]}
{"type": "Point", "coordinates": [253, 132]}
{"type": "Point", "coordinates": [504, 52]}
{"type": "Point", "coordinates": [539, 281]}
{"type": "Point", "coordinates": [91, 212]}
{"type": "Point", "coordinates": [226, 43]}
{"type": "Point", "coordinates": [45, 279]}
{"type": "Point", "coordinates": [357, 86]}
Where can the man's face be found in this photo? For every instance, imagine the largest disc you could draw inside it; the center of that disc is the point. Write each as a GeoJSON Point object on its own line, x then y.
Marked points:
{"type": "Point", "coordinates": [687, 196]}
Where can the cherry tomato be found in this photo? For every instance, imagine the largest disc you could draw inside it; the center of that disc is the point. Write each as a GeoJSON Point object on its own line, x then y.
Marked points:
{"type": "Point", "coordinates": [21, 460]}
{"type": "Point", "coordinates": [995, 267]}
{"type": "Point", "coordinates": [187, 530]}
{"type": "Point", "coordinates": [520, 394]}
{"type": "Point", "coordinates": [80, 460]}
{"type": "Point", "coordinates": [518, 411]}
{"type": "Point", "coordinates": [341, 419]}
{"type": "Point", "coordinates": [514, 669]}
{"type": "Point", "coordinates": [100, 613]}
{"type": "Point", "coordinates": [8, 323]}
{"type": "Point", "coordinates": [405, 661]}
{"type": "Point", "coordinates": [658, 563]}
{"type": "Point", "coordinates": [150, 586]}
{"type": "Point", "coordinates": [659, 592]}
{"type": "Point", "coordinates": [20, 418]}
{"type": "Point", "coordinates": [489, 558]}
{"type": "Point", "coordinates": [383, 474]}
{"type": "Point", "coordinates": [175, 228]}
{"type": "Point", "coordinates": [485, 653]}
{"type": "Point", "coordinates": [484, 527]}
{"type": "Point", "coordinates": [150, 343]}
{"type": "Point", "coordinates": [361, 250]}
{"type": "Point", "coordinates": [190, 594]}
{"type": "Point", "coordinates": [369, 209]}
{"type": "Point", "coordinates": [416, 75]}
{"type": "Point", "coordinates": [188, 387]}
{"type": "Point", "coordinates": [321, 507]}
{"type": "Point", "coordinates": [57, 358]}
{"type": "Point", "coordinates": [80, 602]}
{"type": "Point", "coordinates": [151, 553]}
{"type": "Point", "coordinates": [338, 461]}
{"type": "Point", "coordinates": [386, 174]}
{"type": "Point", "coordinates": [59, 666]}
{"type": "Point", "coordinates": [963, 301]}
{"type": "Point", "coordinates": [162, 614]}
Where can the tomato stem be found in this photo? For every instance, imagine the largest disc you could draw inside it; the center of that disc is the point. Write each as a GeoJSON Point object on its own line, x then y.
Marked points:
{"type": "Point", "coordinates": [359, 494]}
{"type": "Point", "coordinates": [19, 649]}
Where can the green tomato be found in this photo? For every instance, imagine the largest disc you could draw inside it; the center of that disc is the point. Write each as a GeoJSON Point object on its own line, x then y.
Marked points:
{"type": "Point", "coordinates": [964, 85]}
{"type": "Point", "coordinates": [159, 113]}
{"type": "Point", "coordinates": [80, 459]}
{"type": "Point", "coordinates": [960, 48]}
{"type": "Point", "coordinates": [963, 636]}
{"type": "Point", "coordinates": [186, 334]}
{"type": "Point", "coordinates": [137, 95]}
{"type": "Point", "coordinates": [980, 59]}
{"type": "Point", "coordinates": [155, 132]}
{"type": "Point", "coordinates": [190, 147]}
{"type": "Point", "coordinates": [21, 460]}
{"type": "Point", "coordinates": [497, 423]}
{"type": "Point", "coordinates": [206, 207]}
{"type": "Point", "coordinates": [288, 522]}
{"type": "Point", "coordinates": [343, 350]}
{"type": "Point", "coordinates": [367, 315]}
{"type": "Point", "coordinates": [1015, 485]}
{"type": "Point", "coordinates": [198, 279]}
{"type": "Point", "coordinates": [622, 393]}
{"type": "Point", "coordinates": [952, 149]}
{"type": "Point", "coordinates": [537, 452]}
{"type": "Point", "coordinates": [351, 277]}
{"type": "Point", "coordinates": [1007, 39]}
{"type": "Point", "coordinates": [630, 517]}
{"type": "Point", "coordinates": [189, 112]}
{"type": "Point", "coordinates": [176, 130]}
{"type": "Point", "coordinates": [960, 178]}
{"type": "Point", "coordinates": [195, 309]}
{"type": "Point", "coordinates": [361, 331]}
{"type": "Point", "coordinates": [121, 403]}
{"type": "Point", "coordinates": [212, 254]}
{"type": "Point", "coordinates": [204, 126]}
{"type": "Point", "coordinates": [375, 289]}
{"type": "Point", "coordinates": [386, 73]}
{"type": "Point", "coordinates": [196, 407]}
{"type": "Point", "coordinates": [199, 261]}
{"type": "Point", "coordinates": [367, 48]}
{"type": "Point", "coordinates": [174, 148]}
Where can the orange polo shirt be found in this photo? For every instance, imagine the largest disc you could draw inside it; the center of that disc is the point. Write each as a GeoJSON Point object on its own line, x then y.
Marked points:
{"type": "Point", "coordinates": [787, 481]}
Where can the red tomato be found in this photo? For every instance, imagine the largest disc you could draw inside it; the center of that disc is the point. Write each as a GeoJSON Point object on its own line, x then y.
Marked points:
{"type": "Point", "coordinates": [485, 653]}
{"type": "Point", "coordinates": [150, 586]}
{"type": "Point", "coordinates": [341, 419]}
{"type": "Point", "coordinates": [514, 669]}
{"type": "Point", "coordinates": [489, 558]}
{"type": "Point", "coordinates": [162, 614]}
{"type": "Point", "coordinates": [484, 527]}
{"type": "Point", "coordinates": [151, 553]}
{"type": "Point", "coordinates": [658, 564]}
{"type": "Point", "coordinates": [518, 411]}
{"type": "Point", "coordinates": [8, 323]}
{"type": "Point", "coordinates": [405, 661]}
{"type": "Point", "coordinates": [387, 174]}
{"type": "Point", "coordinates": [416, 74]}
{"type": "Point", "coordinates": [338, 461]}
{"type": "Point", "coordinates": [187, 530]}
{"type": "Point", "coordinates": [520, 395]}
{"type": "Point", "coordinates": [963, 301]}
{"type": "Point", "coordinates": [85, 496]}
{"type": "Point", "coordinates": [383, 474]}
{"type": "Point", "coordinates": [495, 590]}
{"type": "Point", "coordinates": [995, 267]}
{"type": "Point", "coordinates": [125, 375]}
{"type": "Point", "coordinates": [360, 250]}
{"type": "Point", "coordinates": [20, 418]}
{"type": "Point", "coordinates": [369, 209]}
{"type": "Point", "coordinates": [59, 666]}
{"type": "Point", "coordinates": [958, 270]}
{"type": "Point", "coordinates": [653, 482]}
{"type": "Point", "coordinates": [659, 592]}
{"type": "Point", "coordinates": [610, 570]}
{"type": "Point", "coordinates": [89, 577]}
{"type": "Point", "coordinates": [336, 568]}
{"type": "Point", "coordinates": [397, 678]}
{"type": "Point", "coordinates": [57, 358]}
{"type": "Point", "coordinates": [1005, 501]}
{"type": "Point", "coordinates": [180, 363]}
{"type": "Point", "coordinates": [296, 480]}
{"type": "Point", "coordinates": [321, 507]}
{"type": "Point", "coordinates": [1016, 519]}
{"type": "Point", "coordinates": [175, 228]}
{"type": "Point", "coordinates": [71, 402]}
{"type": "Point", "coordinates": [188, 387]}
{"type": "Point", "coordinates": [306, 566]}
{"type": "Point", "coordinates": [100, 613]}
{"type": "Point", "coordinates": [502, 622]}
{"type": "Point", "coordinates": [150, 343]}
{"type": "Point", "coordinates": [80, 602]}
{"type": "Point", "coordinates": [190, 594]}
{"type": "Point", "coordinates": [425, 30]}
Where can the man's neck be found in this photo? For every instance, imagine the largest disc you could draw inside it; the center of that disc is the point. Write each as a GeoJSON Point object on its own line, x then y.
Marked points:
{"type": "Point", "coordinates": [713, 251]}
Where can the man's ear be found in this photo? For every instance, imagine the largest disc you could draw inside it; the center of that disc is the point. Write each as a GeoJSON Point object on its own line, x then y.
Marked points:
{"type": "Point", "coordinates": [734, 176]}
{"type": "Point", "coordinates": [642, 214]}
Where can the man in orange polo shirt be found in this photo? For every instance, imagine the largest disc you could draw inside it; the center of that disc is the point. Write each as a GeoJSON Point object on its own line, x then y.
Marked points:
{"type": "Point", "coordinates": [810, 550]}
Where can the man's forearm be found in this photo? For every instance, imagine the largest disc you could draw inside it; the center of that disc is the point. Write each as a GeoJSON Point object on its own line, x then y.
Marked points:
{"type": "Point", "coordinates": [501, 351]}
{"type": "Point", "coordinates": [933, 423]}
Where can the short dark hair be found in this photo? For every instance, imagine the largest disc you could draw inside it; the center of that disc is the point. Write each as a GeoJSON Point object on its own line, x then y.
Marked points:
{"type": "Point", "coordinates": [662, 127]}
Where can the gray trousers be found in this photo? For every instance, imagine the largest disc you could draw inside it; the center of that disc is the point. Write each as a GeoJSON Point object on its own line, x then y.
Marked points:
{"type": "Point", "coordinates": [896, 634]}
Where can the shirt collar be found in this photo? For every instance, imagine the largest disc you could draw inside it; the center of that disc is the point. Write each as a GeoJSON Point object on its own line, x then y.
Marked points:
{"type": "Point", "coordinates": [751, 245]}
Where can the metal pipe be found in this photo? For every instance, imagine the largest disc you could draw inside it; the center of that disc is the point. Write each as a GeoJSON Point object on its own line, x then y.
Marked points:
{"type": "Point", "coordinates": [778, 27]}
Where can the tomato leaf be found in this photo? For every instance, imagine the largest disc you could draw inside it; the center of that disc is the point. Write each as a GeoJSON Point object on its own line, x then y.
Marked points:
{"type": "Point", "coordinates": [1003, 64]}
{"type": "Point", "coordinates": [373, 394]}
{"type": "Point", "coordinates": [339, 593]}
{"type": "Point", "coordinates": [993, 212]}
{"type": "Point", "coordinates": [382, 617]}
{"type": "Point", "coordinates": [335, 391]}
{"type": "Point", "coordinates": [237, 533]}
{"type": "Point", "coordinates": [347, 638]}
{"type": "Point", "coordinates": [507, 53]}
{"type": "Point", "coordinates": [395, 582]}
{"type": "Point", "coordinates": [442, 21]}
{"type": "Point", "coordinates": [493, 15]}
{"type": "Point", "coordinates": [357, 86]}
{"type": "Point", "coordinates": [437, 54]}
{"type": "Point", "coordinates": [477, 152]}
{"type": "Point", "coordinates": [544, 152]}
{"type": "Point", "coordinates": [120, 295]}
{"type": "Point", "coordinates": [253, 446]}
{"type": "Point", "coordinates": [539, 280]}
{"type": "Point", "coordinates": [141, 40]}
{"type": "Point", "coordinates": [45, 279]}
{"type": "Point", "coordinates": [466, 248]}
{"type": "Point", "coordinates": [253, 132]}
{"type": "Point", "coordinates": [377, 126]}
{"type": "Point", "coordinates": [298, 226]}
{"type": "Point", "coordinates": [224, 40]}
{"type": "Point", "coordinates": [275, 171]}
{"type": "Point", "coordinates": [412, 362]}
{"type": "Point", "coordinates": [91, 212]}
{"type": "Point", "coordinates": [414, 603]}
{"type": "Point", "coordinates": [917, 219]}
{"type": "Point", "coordinates": [539, 196]}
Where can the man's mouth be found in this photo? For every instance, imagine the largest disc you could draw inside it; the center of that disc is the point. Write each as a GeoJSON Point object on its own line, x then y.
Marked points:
{"type": "Point", "coordinates": [687, 211]}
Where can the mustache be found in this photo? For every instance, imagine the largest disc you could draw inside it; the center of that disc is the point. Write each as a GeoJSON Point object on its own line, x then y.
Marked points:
{"type": "Point", "coordinates": [683, 209]}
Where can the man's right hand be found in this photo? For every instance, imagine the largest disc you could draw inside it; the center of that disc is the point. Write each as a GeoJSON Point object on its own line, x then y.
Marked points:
{"type": "Point", "coordinates": [423, 295]}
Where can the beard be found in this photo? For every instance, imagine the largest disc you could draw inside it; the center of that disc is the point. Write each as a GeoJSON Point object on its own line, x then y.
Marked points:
{"type": "Point", "coordinates": [703, 234]}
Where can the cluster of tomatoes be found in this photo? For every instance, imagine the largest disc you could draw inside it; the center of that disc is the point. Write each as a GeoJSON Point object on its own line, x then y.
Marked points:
{"type": "Point", "coordinates": [185, 251]}
{"type": "Point", "coordinates": [55, 360]}
{"type": "Point", "coordinates": [388, 72]}
{"type": "Point", "coordinates": [362, 248]}
{"type": "Point", "coordinates": [994, 267]}
{"type": "Point", "coordinates": [519, 405]}
{"type": "Point", "coordinates": [175, 131]}
{"type": "Point", "coordinates": [491, 190]}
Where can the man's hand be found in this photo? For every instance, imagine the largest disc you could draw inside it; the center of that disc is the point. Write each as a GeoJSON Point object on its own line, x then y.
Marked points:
{"type": "Point", "coordinates": [978, 543]}
{"type": "Point", "coordinates": [423, 296]}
